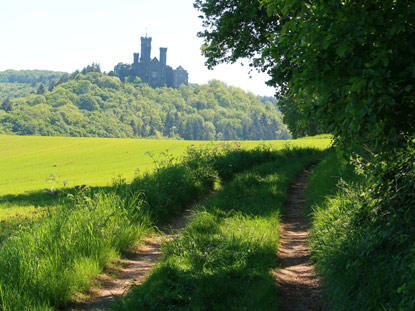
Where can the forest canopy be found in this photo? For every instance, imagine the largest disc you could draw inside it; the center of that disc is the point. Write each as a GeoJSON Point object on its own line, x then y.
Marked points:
{"type": "Point", "coordinates": [95, 104]}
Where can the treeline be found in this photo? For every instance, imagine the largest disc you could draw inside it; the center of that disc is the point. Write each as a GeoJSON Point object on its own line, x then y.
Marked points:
{"type": "Point", "coordinates": [12, 90]}
{"type": "Point", "coordinates": [21, 83]}
{"type": "Point", "coordinates": [32, 77]}
{"type": "Point", "coordinates": [95, 104]}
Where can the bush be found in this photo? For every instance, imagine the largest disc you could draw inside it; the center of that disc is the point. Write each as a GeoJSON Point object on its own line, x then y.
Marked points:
{"type": "Point", "coordinates": [363, 239]}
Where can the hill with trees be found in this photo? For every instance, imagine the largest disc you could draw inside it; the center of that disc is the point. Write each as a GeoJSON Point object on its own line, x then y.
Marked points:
{"type": "Point", "coordinates": [95, 104]}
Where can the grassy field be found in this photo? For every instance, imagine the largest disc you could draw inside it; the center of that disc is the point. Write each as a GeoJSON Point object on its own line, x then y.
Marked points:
{"type": "Point", "coordinates": [27, 163]}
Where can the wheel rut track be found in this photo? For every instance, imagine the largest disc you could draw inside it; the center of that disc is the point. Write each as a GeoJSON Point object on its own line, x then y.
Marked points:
{"type": "Point", "coordinates": [300, 289]}
{"type": "Point", "coordinates": [134, 270]}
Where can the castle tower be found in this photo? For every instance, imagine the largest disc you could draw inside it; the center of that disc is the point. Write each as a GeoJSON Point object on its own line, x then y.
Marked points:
{"type": "Point", "coordinates": [144, 67]}
{"type": "Point", "coordinates": [163, 54]}
{"type": "Point", "coordinates": [145, 49]}
{"type": "Point", "coordinates": [136, 66]}
{"type": "Point", "coordinates": [163, 59]}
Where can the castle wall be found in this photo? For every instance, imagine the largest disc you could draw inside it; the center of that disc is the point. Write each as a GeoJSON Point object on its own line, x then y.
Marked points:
{"type": "Point", "coordinates": [180, 76]}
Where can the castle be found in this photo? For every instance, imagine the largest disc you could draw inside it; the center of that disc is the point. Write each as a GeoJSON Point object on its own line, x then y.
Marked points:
{"type": "Point", "coordinates": [152, 71]}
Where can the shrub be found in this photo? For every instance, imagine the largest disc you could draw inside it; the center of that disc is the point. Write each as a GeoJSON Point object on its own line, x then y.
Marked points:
{"type": "Point", "coordinates": [363, 238]}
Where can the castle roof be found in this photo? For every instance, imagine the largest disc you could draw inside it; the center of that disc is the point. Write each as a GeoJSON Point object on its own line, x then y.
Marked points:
{"type": "Point", "coordinates": [155, 60]}
{"type": "Point", "coordinates": [180, 68]}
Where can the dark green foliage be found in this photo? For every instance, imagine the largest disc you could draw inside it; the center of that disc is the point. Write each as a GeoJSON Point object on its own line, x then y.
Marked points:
{"type": "Point", "coordinates": [349, 65]}
{"type": "Point", "coordinates": [41, 89]}
{"type": "Point", "coordinates": [363, 237]}
{"type": "Point", "coordinates": [293, 117]}
{"type": "Point", "coordinates": [6, 105]}
{"type": "Point", "coordinates": [94, 67]}
{"type": "Point", "coordinates": [234, 29]}
{"type": "Point", "coordinates": [95, 104]}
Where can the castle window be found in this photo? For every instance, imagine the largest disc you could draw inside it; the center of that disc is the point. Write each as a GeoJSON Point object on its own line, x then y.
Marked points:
{"type": "Point", "coordinates": [154, 74]}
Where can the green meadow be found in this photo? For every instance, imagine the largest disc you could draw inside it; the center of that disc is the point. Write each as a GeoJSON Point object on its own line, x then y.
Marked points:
{"type": "Point", "coordinates": [35, 162]}
{"type": "Point", "coordinates": [29, 163]}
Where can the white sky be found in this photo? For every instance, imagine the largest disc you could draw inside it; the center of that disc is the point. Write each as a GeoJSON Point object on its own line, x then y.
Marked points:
{"type": "Point", "coordinates": [65, 35]}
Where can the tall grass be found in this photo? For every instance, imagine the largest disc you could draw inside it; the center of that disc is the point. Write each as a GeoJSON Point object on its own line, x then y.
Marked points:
{"type": "Point", "coordinates": [45, 264]}
{"type": "Point", "coordinates": [324, 180]}
{"type": "Point", "coordinates": [224, 258]}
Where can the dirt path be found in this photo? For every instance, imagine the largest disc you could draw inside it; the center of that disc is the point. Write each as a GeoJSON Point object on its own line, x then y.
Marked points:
{"type": "Point", "coordinates": [300, 288]}
{"type": "Point", "coordinates": [134, 270]}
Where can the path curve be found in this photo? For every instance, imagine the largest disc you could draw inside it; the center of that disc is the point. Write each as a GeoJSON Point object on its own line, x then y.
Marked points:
{"type": "Point", "coordinates": [299, 287]}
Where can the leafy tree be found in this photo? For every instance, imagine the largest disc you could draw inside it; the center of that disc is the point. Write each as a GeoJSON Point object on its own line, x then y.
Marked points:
{"type": "Point", "coordinates": [64, 78]}
{"type": "Point", "coordinates": [41, 89]}
{"type": "Point", "coordinates": [6, 105]}
{"type": "Point", "coordinates": [94, 67]}
{"type": "Point", "coordinates": [88, 102]}
{"type": "Point", "coordinates": [349, 64]}
{"type": "Point", "coordinates": [295, 121]}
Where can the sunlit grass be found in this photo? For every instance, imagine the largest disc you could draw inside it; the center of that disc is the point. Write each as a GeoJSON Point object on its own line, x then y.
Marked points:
{"type": "Point", "coordinates": [28, 162]}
